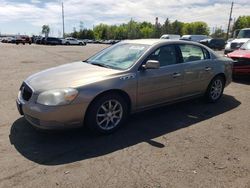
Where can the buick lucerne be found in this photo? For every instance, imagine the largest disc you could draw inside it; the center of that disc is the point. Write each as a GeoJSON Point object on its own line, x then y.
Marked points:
{"type": "Point", "coordinates": [128, 77]}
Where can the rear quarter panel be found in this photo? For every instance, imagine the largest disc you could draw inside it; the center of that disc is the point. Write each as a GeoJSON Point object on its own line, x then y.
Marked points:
{"type": "Point", "coordinates": [223, 65]}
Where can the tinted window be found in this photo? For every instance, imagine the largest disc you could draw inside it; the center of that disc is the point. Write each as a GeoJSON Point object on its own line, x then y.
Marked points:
{"type": "Point", "coordinates": [192, 53]}
{"type": "Point", "coordinates": [166, 55]}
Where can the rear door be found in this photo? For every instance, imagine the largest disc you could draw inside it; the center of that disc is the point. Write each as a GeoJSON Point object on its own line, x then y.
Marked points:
{"type": "Point", "coordinates": [196, 69]}
{"type": "Point", "coordinates": [161, 85]}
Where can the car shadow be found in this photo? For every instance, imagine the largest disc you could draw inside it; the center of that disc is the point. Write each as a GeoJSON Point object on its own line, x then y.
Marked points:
{"type": "Point", "coordinates": [62, 147]}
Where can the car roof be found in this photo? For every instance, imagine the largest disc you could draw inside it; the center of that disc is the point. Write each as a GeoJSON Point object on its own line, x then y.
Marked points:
{"type": "Point", "coordinates": [246, 29]}
{"type": "Point", "coordinates": [158, 41]}
{"type": "Point", "coordinates": [143, 41]}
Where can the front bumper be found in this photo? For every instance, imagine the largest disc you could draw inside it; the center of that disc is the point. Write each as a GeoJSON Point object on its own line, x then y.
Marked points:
{"type": "Point", "coordinates": [241, 70]}
{"type": "Point", "coordinates": [52, 117]}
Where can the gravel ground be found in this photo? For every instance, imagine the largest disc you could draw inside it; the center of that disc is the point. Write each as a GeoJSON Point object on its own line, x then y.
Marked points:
{"type": "Point", "coordinates": [189, 144]}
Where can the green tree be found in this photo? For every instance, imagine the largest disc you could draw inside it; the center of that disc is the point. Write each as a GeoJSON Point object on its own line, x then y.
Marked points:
{"type": "Point", "coordinates": [133, 30]}
{"type": "Point", "coordinates": [242, 22]}
{"type": "Point", "coordinates": [219, 33]}
{"type": "Point", "coordinates": [177, 27]}
{"type": "Point", "coordinates": [167, 27]}
{"type": "Point", "coordinates": [46, 30]}
{"type": "Point", "coordinates": [195, 28]}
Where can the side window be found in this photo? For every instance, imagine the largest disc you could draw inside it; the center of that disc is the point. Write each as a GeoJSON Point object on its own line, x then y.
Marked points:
{"type": "Point", "coordinates": [166, 55]}
{"type": "Point", "coordinates": [206, 54]}
{"type": "Point", "coordinates": [191, 53]}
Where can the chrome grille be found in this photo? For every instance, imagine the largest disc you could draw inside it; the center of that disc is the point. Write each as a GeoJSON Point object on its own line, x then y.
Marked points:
{"type": "Point", "coordinates": [26, 92]}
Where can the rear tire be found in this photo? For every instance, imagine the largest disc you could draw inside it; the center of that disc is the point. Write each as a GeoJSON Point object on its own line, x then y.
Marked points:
{"type": "Point", "coordinates": [107, 113]}
{"type": "Point", "coordinates": [215, 89]}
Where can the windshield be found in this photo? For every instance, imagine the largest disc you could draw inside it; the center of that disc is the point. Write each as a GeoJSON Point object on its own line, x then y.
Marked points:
{"type": "Point", "coordinates": [244, 34]}
{"type": "Point", "coordinates": [121, 56]}
{"type": "Point", "coordinates": [246, 46]}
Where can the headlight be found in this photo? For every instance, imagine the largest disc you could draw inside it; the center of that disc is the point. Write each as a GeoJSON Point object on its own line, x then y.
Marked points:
{"type": "Point", "coordinates": [57, 97]}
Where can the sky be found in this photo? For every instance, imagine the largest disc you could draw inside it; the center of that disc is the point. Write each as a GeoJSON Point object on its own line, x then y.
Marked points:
{"type": "Point", "coordinates": [28, 16]}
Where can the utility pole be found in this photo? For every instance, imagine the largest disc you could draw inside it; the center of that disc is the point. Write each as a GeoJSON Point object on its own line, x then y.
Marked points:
{"type": "Point", "coordinates": [230, 19]}
{"type": "Point", "coordinates": [63, 20]}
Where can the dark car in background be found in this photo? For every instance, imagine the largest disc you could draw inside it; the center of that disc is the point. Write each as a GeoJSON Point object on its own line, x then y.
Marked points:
{"type": "Point", "coordinates": [216, 44]}
{"type": "Point", "coordinates": [51, 41]}
{"type": "Point", "coordinates": [38, 40]}
{"type": "Point", "coordinates": [194, 38]}
{"type": "Point", "coordinates": [241, 59]}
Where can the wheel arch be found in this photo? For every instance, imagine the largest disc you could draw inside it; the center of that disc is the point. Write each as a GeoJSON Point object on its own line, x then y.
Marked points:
{"type": "Point", "coordinates": [120, 92]}
{"type": "Point", "coordinates": [218, 74]}
{"type": "Point", "coordinates": [221, 75]}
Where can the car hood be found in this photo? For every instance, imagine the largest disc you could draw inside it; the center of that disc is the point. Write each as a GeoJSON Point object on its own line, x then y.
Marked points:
{"type": "Point", "coordinates": [240, 54]}
{"type": "Point", "coordinates": [242, 40]}
{"type": "Point", "coordinates": [71, 75]}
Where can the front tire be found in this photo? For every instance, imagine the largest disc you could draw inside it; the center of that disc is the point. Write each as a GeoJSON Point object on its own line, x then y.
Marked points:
{"type": "Point", "coordinates": [215, 89]}
{"type": "Point", "coordinates": [107, 113]}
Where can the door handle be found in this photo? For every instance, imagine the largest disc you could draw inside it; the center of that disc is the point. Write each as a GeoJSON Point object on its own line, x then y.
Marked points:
{"type": "Point", "coordinates": [208, 69]}
{"type": "Point", "coordinates": [176, 74]}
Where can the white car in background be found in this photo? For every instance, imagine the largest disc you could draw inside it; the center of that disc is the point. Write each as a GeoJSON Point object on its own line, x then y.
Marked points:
{"type": "Point", "coordinates": [170, 36]}
{"type": "Point", "coordinates": [72, 41]}
{"type": "Point", "coordinates": [242, 37]}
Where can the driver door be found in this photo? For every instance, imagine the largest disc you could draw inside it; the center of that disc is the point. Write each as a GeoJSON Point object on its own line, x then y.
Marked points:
{"type": "Point", "coordinates": [156, 86]}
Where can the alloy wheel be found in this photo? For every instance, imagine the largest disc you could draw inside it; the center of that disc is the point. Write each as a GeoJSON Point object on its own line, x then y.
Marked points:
{"type": "Point", "coordinates": [216, 89]}
{"type": "Point", "coordinates": [109, 114]}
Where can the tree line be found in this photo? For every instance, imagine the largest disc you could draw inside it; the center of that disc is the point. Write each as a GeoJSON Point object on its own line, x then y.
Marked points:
{"type": "Point", "coordinates": [137, 30]}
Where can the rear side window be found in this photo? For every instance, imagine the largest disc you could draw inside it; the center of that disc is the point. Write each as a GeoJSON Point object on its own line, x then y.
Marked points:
{"type": "Point", "coordinates": [206, 54]}
{"type": "Point", "coordinates": [193, 53]}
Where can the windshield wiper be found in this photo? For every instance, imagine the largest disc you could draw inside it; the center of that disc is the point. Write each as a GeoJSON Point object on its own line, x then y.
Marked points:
{"type": "Point", "coordinates": [100, 65]}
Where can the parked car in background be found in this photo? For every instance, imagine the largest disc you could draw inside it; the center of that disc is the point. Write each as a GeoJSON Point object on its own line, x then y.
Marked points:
{"type": "Point", "coordinates": [22, 39]}
{"type": "Point", "coordinates": [242, 37]}
{"type": "Point", "coordinates": [194, 38]}
{"type": "Point", "coordinates": [241, 59]}
{"type": "Point", "coordinates": [8, 39]}
{"type": "Point", "coordinates": [170, 36]}
{"type": "Point", "coordinates": [73, 41]}
{"type": "Point", "coordinates": [90, 41]}
{"type": "Point", "coordinates": [216, 44]}
{"type": "Point", "coordinates": [125, 78]}
{"type": "Point", "coordinates": [51, 41]}
{"type": "Point", "coordinates": [38, 40]}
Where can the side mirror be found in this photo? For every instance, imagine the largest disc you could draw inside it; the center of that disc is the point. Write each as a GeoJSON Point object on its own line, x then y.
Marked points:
{"type": "Point", "coordinates": [151, 64]}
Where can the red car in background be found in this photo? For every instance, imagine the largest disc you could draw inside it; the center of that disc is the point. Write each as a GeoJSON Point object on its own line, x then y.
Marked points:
{"type": "Point", "coordinates": [241, 59]}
